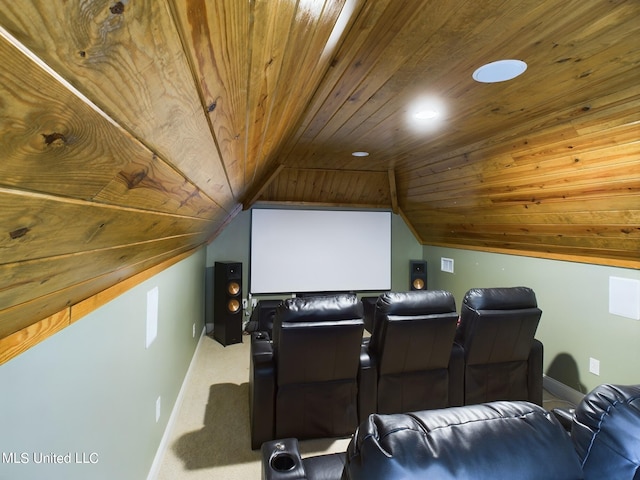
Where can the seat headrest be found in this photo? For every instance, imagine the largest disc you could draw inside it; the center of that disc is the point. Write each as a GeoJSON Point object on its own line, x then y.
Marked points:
{"type": "Point", "coordinates": [508, 298]}
{"type": "Point", "coordinates": [417, 302]}
{"type": "Point", "coordinates": [316, 309]}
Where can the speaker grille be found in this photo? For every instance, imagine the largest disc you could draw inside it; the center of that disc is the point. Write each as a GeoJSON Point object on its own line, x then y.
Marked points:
{"type": "Point", "coordinates": [418, 274]}
{"type": "Point", "coordinates": [227, 321]}
{"type": "Point", "coordinates": [233, 305]}
{"type": "Point", "coordinates": [233, 288]}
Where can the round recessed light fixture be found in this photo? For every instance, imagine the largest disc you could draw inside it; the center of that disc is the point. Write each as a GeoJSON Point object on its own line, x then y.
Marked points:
{"type": "Point", "coordinates": [360, 154]}
{"type": "Point", "coordinates": [499, 71]}
{"type": "Point", "coordinates": [425, 114]}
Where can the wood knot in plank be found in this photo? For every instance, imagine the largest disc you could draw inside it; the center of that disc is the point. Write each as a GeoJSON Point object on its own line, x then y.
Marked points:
{"type": "Point", "coordinates": [117, 9]}
{"type": "Point", "coordinates": [20, 232]}
{"type": "Point", "coordinates": [54, 139]}
{"type": "Point", "coordinates": [133, 179]}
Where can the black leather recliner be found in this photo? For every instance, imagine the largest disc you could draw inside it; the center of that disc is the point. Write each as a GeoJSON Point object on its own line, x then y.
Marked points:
{"type": "Point", "coordinates": [503, 360]}
{"type": "Point", "coordinates": [304, 383]}
{"type": "Point", "coordinates": [417, 364]}
{"type": "Point", "coordinates": [499, 440]}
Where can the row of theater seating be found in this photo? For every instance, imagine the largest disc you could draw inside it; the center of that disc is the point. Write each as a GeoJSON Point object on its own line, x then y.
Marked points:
{"type": "Point", "coordinates": [491, 441]}
{"type": "Point", "coordinates": [315, 375]}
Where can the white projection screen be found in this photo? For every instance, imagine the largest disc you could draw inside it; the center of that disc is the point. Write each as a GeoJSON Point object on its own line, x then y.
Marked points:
{"type": "Point", "coordinates": [319, 251]}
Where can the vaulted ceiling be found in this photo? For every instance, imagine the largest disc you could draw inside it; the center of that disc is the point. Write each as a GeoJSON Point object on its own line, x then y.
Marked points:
{"type": "Point", "coordinates": [133, 131]}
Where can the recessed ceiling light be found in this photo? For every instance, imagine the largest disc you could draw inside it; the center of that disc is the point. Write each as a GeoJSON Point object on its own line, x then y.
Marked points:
{"type": "Point", "coordinates": [360, 154]}
{"type": "Point", "coordinates": [499, 71]}
{"type": "Point", "coordinates": [425, 114]}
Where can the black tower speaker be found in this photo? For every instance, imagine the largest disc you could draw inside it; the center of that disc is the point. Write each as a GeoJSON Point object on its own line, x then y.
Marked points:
{"type": "Point", "coordinates": [418, 274]}
{"type": "Point", "coordinates": [227, 301]}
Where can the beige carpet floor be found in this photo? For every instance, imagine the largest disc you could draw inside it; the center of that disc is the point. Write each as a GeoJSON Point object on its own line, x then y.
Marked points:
{"type": "Point", "coordinates": [210, 437]}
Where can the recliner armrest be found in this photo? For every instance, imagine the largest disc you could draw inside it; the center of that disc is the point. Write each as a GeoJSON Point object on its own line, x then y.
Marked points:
{"type": "Point", "coordinates": [281, 460]}
{"type": "Point", "coordinates": [367, 383]}
{"type": "Point", "coordinates": [535, 372]}
{"type": "Point", "coordinates": [261, 350]}
{"type": "Point", "coordinates": [456, 376]}
{"type": "Point", "coordinates": [262, 387]}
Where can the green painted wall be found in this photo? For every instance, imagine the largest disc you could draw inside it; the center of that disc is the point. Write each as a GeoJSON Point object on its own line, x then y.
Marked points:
{"type": "Point", "coordinates": [91, 389]}
{"type": "Point", "coordinates": [574, 297]}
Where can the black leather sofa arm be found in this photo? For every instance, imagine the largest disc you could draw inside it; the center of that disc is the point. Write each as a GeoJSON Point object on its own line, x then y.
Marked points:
{"type": "Point", "coordinates": [262, 385]}
{"type": "Point", "coordinates": [367, 384]}
{"type": "Point", "coordinates": [535, 372]}
{"type": "Point", "coordinates": [456, 376]}
{"type": "Point", "coordinates": [261, 348]}
{"type": "Point", "coordinates": [281, 460]}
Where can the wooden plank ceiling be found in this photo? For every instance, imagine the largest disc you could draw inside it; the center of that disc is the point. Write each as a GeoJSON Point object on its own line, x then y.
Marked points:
{"type": "Point", "coordinates": [133, 131]}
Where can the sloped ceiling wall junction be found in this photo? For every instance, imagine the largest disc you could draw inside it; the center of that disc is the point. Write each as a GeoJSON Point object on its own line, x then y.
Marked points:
{"type": "Point", "coordinates": [133, 131]}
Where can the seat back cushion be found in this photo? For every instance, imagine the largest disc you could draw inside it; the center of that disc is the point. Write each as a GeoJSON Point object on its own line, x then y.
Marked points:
{"type": "Point", "coordinates": [317, 379]}
{"type": "Point", "coordinates": [509, 299]}
{"type": "Point", "coordinates": [413, 303]}
{"type": "Point", "coordinates": [318, 351]}
{"type": "Point", "coordinates": [315, 309]}
{"type": "Point", "coordinates": [498, 336]}
{"type": "Point", "coordinates": [416, 343]}
{"type": "Point", "coordinates": [498, 325]}
{"type": "Point", "coordinates": [494, 441]}
{"type": "Point", "coordinates": [496, 381]}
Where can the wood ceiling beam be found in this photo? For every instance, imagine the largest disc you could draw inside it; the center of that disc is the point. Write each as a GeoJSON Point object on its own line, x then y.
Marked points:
{"type": "Point", "coordinates": [247, 204]}
{"type": "Point", "coordinates": [393, 192]}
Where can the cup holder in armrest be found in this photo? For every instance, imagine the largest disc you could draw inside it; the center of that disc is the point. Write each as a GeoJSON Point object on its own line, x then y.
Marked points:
{"type": "Point", "coordinates": [263, 336]}
{"type": "Point", "coordinates": [283, 462]}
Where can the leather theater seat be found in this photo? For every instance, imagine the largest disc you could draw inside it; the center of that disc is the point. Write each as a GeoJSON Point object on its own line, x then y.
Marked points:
{"type": "Point", "coordinates": [503, 360]}
{"type": "Point", "coordinates": [412, 348]}
{"type": "Point", "coordinates": [501, 440]}
{"type": "Point", "coordinates": [304, 383]}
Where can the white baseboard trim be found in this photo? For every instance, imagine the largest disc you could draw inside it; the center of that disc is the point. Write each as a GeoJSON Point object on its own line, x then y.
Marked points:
{"type": "Point", "coordinates": [561, 390]}
{"type": "Point", "coordinates": [164, 443]}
